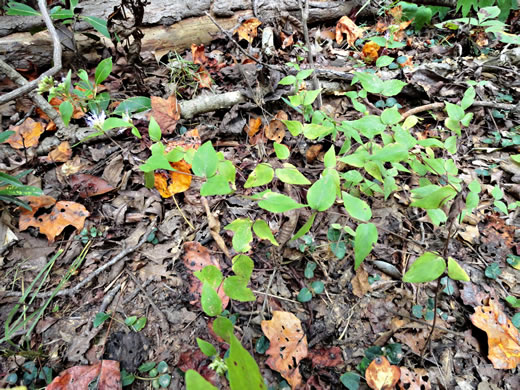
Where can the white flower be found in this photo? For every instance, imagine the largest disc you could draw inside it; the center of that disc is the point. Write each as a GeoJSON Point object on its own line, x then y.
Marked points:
{"type": "Point", "coordinates": [96, 120]}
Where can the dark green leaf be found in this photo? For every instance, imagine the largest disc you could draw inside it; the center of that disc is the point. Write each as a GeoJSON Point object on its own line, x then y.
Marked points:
{"type": "Point", "coordinates": [100, 318]}
{"type": "Point", "coordinates": [145, 367]}
{"type": "Point", "coordinates": [304, 295]}
{"type": "Point", "coordinates": [366, 237]}
{"type": "Point", "coordinates": [350, 380]}
{"type": "Point", "coordinates": [103, 70]}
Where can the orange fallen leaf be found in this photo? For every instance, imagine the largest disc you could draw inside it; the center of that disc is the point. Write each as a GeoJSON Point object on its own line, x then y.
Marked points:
{"type": "Point", "coordinates": [180, 179]}
{"type": "Point", "coordinates": [288, 345]}
{"type": "Point", "coordinates": [253, 127]}
{"type": "Point", "coordinates": [503, 336]}
{"type": "Point", "coordinates": [204, 78]}
{"type": "Point", "coordinates": [166, 112]}
{"type": "Point", "coordinates": [248, 30]}
{"type": "Point", "coordinates": [189, 140]}
{"type": "Point", "coordinates": [287, 40]}
{"type": "Point", "coordinates": [370, 52]}
{"type": "Point", "coordinates": [61, 154]}
{"type": "Point", "coordinates": [197, 52]}
{"type": "Point", "coordinates": [77, 113]}
{"type": "Point", "coordinates": [195, 258]}
{"type": "Point", "coordinates": [26, 135]}
{"type": "Point", "coordinates": [52, 224]}
{"type": "Point", "coordinates": [105, 374]}
{"type": "Point", "coordinates": [381, 375]}
{"type": "Point", "coordinates": [346, 26]}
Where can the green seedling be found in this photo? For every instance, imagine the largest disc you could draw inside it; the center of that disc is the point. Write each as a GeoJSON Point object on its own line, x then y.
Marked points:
{"type": "Point", "coordinates": [156, 373]}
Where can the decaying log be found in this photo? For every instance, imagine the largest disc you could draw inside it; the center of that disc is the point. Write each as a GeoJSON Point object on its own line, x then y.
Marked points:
{"type": "Point", "coordinates": [168, 25]}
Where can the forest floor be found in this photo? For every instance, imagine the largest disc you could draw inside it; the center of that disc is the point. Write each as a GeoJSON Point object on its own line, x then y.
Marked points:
{"type": "Point", "coordinates": [154, 241]}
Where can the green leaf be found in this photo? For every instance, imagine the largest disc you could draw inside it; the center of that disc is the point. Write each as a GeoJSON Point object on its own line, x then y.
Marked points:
{"type": "Point", "coordinates": [100, 25]}
{"type": "Point", "coordinates": [19, 9]}
{"type": "Point", "coordinates": [262, 230]}
{"type": "Point", "coordinates": [390, 116]}
{"type": "Point", "coordinates": [145, 367]}
{"type": "Point", "coordinates": [4, 135]}
{"type": "Point", "coordinates": [468, 99]}
{"type": "Point", "coordinates": [127, 378]}
{"type": "Point", "coordinates": [216, 185]}
{"type": "Point", "coordinates": [223, 327]}
{"type": "Point", "coordinates": [154, 130]}
{"type": "Point", "coordinates": [384, 61]}
{"type": "Point", "coordinates": [103, 70]}
{"type": "Point", "coordinates": [133, 105]}
{"type": "Point", "coordinates": [59, 13]}
{"type": "Point", "coordinates": [455, 271]}
{"type": "Point", "coordinates": [20, 191]}
{"type": "Point", "coordinates": [162, 367]}
{"type": "Point", "coordinates": [435, 199]}
{"type": "Point", "coordinates": [454, 111]}
{"type": "Point", "coordinates": [515, 158]}
{"type": "Point", "coordinates": [314, 130]}
{"type": "Point", "coordinates": [130, 320]}
{"type": "Point", "coordinates": [66, 110]}
{"type": "Point", "coordinates": [369, 126]}
{"type": "Point", "coordinates": [157, 160]}
{"type": "Point", "coordinates": [211, 275]}
{"type": "Point", "coordinates": [322, 193]}
{"type": "Point", "coordinates": [100, 318]}
{"type": "Point", "coordinates": [303, 74]}
{"type": "Point", "coordinates": [139, 324]}
{"type": "Point", "coordinates": [318, 286]}
{"type": "Point", "coordinates": [513, 301]}
{"type": "Point", "coordinates": [392, 87]}
{"type": "Point", "coordinates": [242, 368]}
{"type": "Point", "coordinates": [370, 82]}
{"type": "Point", "coordinates": [391, 153]}
{"type": "Point", "coordinates": [501, 206]}
{"type": "Point", "coordinates": [305, 228]}
{"type": "Point", "coordinates": [205, 160]}
{"type": "Point", "coordinates": [426, 268]}
{"type": "Point", "coordinates": [350, 380]}
{"type": "Point", "coordinates": [366, 237]}
{"type": "Point", "coordinates": [243, 235]}
{"type": "Point", "coordinates": [493, 271]}
{"type": "Point", "coordinates": [282, 151]}
{"type": "Point", "coordinates": [357, 208]}
{"type": "Point", "coordinates": [304, 295]}
{"type": "Point", "coordinates": [165, 380]}
{"type": "Point", "coordinates": [261, 175]}
{"type": "Point", "coordinates": [278, 203]}
{"type": "Point", "coordinates": [310, 96]}
{"type": "Point", "coordinates": [195, 381]}
{"type": "Point", "coordinates": [294, 127]}
{"type": "Point", "coordinates": [8, 179]}
{"type": "Point", "coordinates": [291, 175]}
{"type": "Point", "coordinates": [206, 348]}
{"type": "Point", "coordinates": [287, 80]}
{"type": "Point", "coordinates": [236, 288]}
{"type": "Point", "coordinates": [451, 144]}
{"type": "Point", "coordinates": [210, 301]}
{"type": "Point", "coordinates": [112, 123]}
{"type": "Point", "coordinates": [243, 266]}
{"type": "Point", "coordinates": [329, 159]}
{"type": "Point", "coordinates": [497, 193]}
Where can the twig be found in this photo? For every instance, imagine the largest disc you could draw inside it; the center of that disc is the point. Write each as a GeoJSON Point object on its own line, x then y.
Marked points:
{"type": "Point", "coordinates": [88, 279]}
{"type": "Point", "coordinates": [310, 56]}
{"type": "Point", "coordinates": [436, 106]}
{"type": "Point", "coordinates": [425, 323]}
{"type": "Point", "coordinates": [42, 4]}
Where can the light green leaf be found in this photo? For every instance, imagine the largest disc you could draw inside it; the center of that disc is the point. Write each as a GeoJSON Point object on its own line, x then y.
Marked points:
{"type": "Point", "coordinates": [205, 160]}
{"type": "Point", "coordinates": [19, 9]}
{"type": "Point", "coordinates": [392, 87]}
{"type": "Point", "coordinates": [369, 126]}
{"type": "Point", "coordinates": [262, 174]}
{"type": "Point", "coordinates": [497, 193]}
{"type": "Point", "coordinates": [66, 110]}
{"type": "Point", "coordinates": [426, 268]}
{"type": "Point", "coordinates": [384, 61]}
{"type": "Point", "coordinates": [223, 327]}
{"type": "Point", "coordinates": [195, 381]}
{"type": "Point", "coordinates": [370, 82]}
{"type": "Point", "coordinates": [310, 96]}
{"type": "Point", "coordinates": [282, 151]}
{"type": "Point", "coordinates": [435, 199]}
{"type": "Point", "coordinates": [305, 228]}
{"type": "Point", "coordinates": [216, 185]}
{"type": "Point", "coordinates": [501, 206]}
{"type": "Point", "coordinates": [154, 130]}
{"type": "Point", "coordinates": [103, 70]}
{"type": "Point", "coordinates": [243, 266]}
{"type": "Point", "coordinates": [313, 130]}
{"type": "Point", "coordinates": [291, 175]}
{"type": "Point", "coordinates": [100, 25]}
{"type": "Point", "coordinates": [242, 368]}
{"type": "Point", "coordinates": [455, 112]}
{"type": "Point", "coordinates": [390, 116]}
{"type": "Point", "coordinates": [515, 158]}
{"type": "Point", "coordinates": [356, 207]}
{"type": "Point", "coordinates": [468, 99]}
{"type": "Point", "coordinates": [278, 203]}
{"type": "Point", "coordinates": [262, 230]}
{"type": "Point", "coordinates": [243, 235]}
{"type": "Point", "coordinates": [329, 159]}
{"type": "Point", "coordinates": [112, 123]}
{"type": "Point", "coordinates": [236, 288]}
{"type": "Point", "coordinates": [391, 153]}
{"type": "Point", "coordinates": [210, 301]}
{"type": "Point", "coordinates": [287, 80]}
{"type": "Point", "coordinates": [366, 237]}
{"type": "Point", "coordinates": [451, 144]}
{"type": "Point", "coordinates": [211, 275]}
{"type": "Point", "coordinates": [294, 127]}
{"type": "Point", "coordinates": [455, 271]}
{"type": "Point", "coordinates": [410, 122]}
{"type": "Point", "coordinates": [322, 193]}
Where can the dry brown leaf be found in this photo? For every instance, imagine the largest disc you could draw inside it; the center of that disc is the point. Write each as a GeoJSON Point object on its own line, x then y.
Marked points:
{"type": "Point", "coordinates": [214, 228]}
{"type": "Point", "coordinates": [346, 26]}
{"type": "Point", "coordinates": [180, 179]}
{"type": "Point", "coordinates": [166, 112]}
{"type": "Point", "coordinates": [288, 345]}
{"type": "Point", "coordinates": [413, 380]}
{"type": "Point", "coordinates": [61, 154]}
{"type": "Point", "coordinates": [105, 373]}
{"type": "Point", "coordinates": [248, 30]}
{"type": "Point", "coordinates": [197, 52]}
{"type": "Point", "coordinates": [253, 127]}
{"type": "Point", "coordinates": [26, 135]}
{"type": "Point", "coordinates": [204, 78]}
{"type": "Point", "coordinates": [276, 129]}
{"type": "Point", "coordinates": [313, 152]}
{"type": "Point", "coordinates": [360, 285]}
{"type": "Point", "coordinates": [52, 224]}
{"type": "Point", "coordinates": [89, 185]}
{"type": "Point", "coordinates": [381, 375]}
{"type": "Point", "coordinates": [503, 336]}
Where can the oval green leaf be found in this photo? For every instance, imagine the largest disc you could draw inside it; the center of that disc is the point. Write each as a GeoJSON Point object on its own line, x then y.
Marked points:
{"type": "Point", "coordinates": [322, 193]}
{"type": "Point", "coordinates": [262, 174]}
{"type": "Point", "coordinates": [356, 207]}
{"type": "Point", "coordinates": [278, 203]}
{"type": "Point", "coordinates": [366, 237]}
{"type": "Point", "coordinates": [455, 271]}
{"type": "Point", "coordinates": [426, 268]}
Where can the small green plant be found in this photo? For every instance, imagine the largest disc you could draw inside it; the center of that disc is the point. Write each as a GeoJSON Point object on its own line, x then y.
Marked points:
{"type": "Point", "coordinates": [157, 373]}
{"type": "Point", "coordinates": [67, 16]}
{"type": "Point", "coordinates": [32, 376]}
{"type": "Point", "coordinates": [87, 234]}
{"type": "Point", "coordinates": [184, 74]}
{"type": "Point", "coordinates": [133, 322]}
{"type": "Point", "coordinates": [302, 100]}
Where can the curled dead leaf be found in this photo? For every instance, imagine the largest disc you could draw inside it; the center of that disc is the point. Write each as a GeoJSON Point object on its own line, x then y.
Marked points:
{"type": "Point", "coordinates": [61, 154]}
{"type": "Point", "coordinates": [180, 179]}
{"type": "Point", "coordinates": [346, 26]}
{"type": "Point", "coordinates": [248, 30]}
